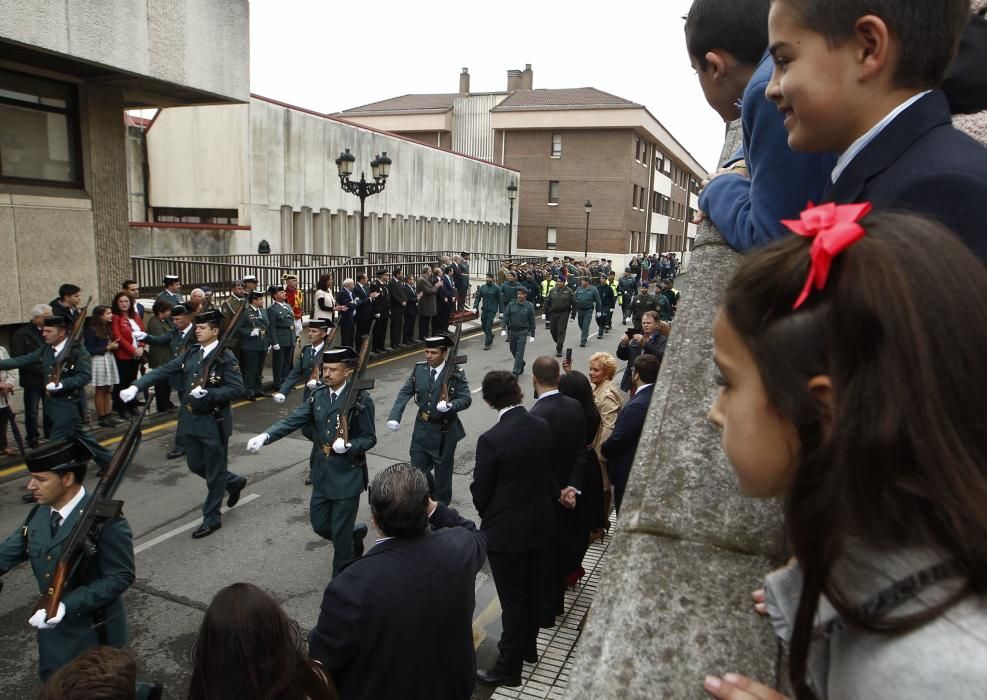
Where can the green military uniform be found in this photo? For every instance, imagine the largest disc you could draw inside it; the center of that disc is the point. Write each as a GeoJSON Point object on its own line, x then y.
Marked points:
{"type": "Point", "coordinates": [560, 307]}
{"type": "Point", "coordinates": [508, 293]}
{"type": "Point", "coordinates": [489, 295]}
{"type": "Point", "coordinates": [170, 297]}
{"type": "Point", "coordinates": [206, 423]}
{"type": "Point", "coordinates": [281, 323]}
{"type": "Point", "coordinates": [93, 593]}
{"type": "Point", "coordinates": [519, 321]}
{"type": "Point", "coordinates": [253, 347]}
{"type": "Point", "coordinates": [587, 300]}
{"type": "Point", "coordinates": [640, 304]}
{"type": "Point", "coordinates": [311, 356]}
{"type": "Point", "coordinates": [337, 479]}
{"type": "Point", "coordinates": [664, 307]}
{"type": "Point", "coordinates": [606, 307]}
{"type": "Point", "coordinates": [433, 443]}
{"type": "Point", "coordinates": [626, 287]}
{"type": "Point", "coordinates": [61, 407]}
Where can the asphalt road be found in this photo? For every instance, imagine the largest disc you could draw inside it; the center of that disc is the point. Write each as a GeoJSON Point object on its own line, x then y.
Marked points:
{"type": "Point", "coordinates": [266, 539]}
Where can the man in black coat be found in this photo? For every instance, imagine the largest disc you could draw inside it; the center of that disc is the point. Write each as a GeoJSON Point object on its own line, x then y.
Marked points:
{"type": "Point", "coordinates": [620, 447]}
{"type": "Point", "coordinates": [363, 300]}
{"type": "Point", "coordinates": [567, 421]}
{"type": "Point", "coordinates": [381, 310]}
{"type": "Point", "coordinates": [396, 292]}
{"type": "Point", "coordinates": [410, 311]}
{"type": "Point", "coordinates": [415, 584]}
{"type": "Point", "coordinates": [511, 493]}
{"type": "Point", "coordinates": [26, 340]}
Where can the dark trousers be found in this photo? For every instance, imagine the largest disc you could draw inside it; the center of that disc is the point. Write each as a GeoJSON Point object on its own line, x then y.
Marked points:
{"type": "Point", "coordinates": [379, 342]}
{"type": "Point", "coordinates": [206, 458]}
{"type": "Point", "coordinates": [397, 325]}
{"type": "Point", "coordinates": [424, 327]}
{"type": "Point", "coordinates": [441, 322]}
{"type": "Point", "coordinates": [518, 579]}
{"type": "Point", "coordinates": [162, 395]}
{"type": "Point", "coordinates": [127, 369]}
{"type": "Point", "coordinates": [253, 369]}
{"type": "Point", "coordinates": [333, 519]}
{"type": "Point", "coordinates": [558, 323]}
{"type": "Point", "coordinates": [6, 417]}
{"type": "Point", "coordinates": [347, 334]}
{"type": "Point", "coordinates": [33, 398]}
{"type": "Point", "coordinates": [409, 328]}
{"type": "Point", "coordinates": [363, 329]}
{"type": "Point", "coordinates": [487, 319]}
{"type": "Point", "coordinates": [556, 570]}
{"type": "Point", "coordinates": [280, 363]}
{"type": "Point", "coordinates": [437, 469]}
{"type": "Point", "coordinates": [66, 425]}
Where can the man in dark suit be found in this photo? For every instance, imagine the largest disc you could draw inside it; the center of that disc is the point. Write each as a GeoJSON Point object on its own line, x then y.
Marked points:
{"type": "Point", "coordinates": [414, 581]}
{"type": "Point", "coordinates": [567, 421]}
{"type": "Point", "coordinates": [445, 301]}
{"type": "Point", "coordinates": [347, 318]}
{"type": "Point", "coordinates": [363, 298]}
{"type": "Point", "coordinates": [396, 293]}
{"type": "Point", "coordinates": [511, 493]}
{"type": "Point", "coordinates": [620, 447]}
{"type": "Point", "coordinates": [410, 311]}
{"type": "Point", "coordinates": [381, 310]}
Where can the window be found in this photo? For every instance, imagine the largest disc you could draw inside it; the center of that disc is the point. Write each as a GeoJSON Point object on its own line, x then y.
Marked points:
{"type": "Point", "coordinates": [659, 161]}
{"type": "Point", "coordinates": [556, 145]}
{"type": "Point", "coordinates": [640, 201]}
{"type": "Point", "coordinates": [634, 198]}
{"type": "Point", "coordinates": [553, 191]}
{"type": "Point", "coordinates": [660, 204]}
{"type": "Point", "coordinates": [39, 131]}
{"type": "Point", "coordinates": [637, 148]}
{"type": "Point", "coordinates": [176, 215]}
{"type": "Point", "coordinates": [551, 239]}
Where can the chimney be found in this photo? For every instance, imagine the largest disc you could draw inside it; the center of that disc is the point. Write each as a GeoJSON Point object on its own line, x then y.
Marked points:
{"type": "Point", "coordinates": [515, 79]}
{"type": "Point", "coordinates": [527, 78]}
{"type": "Point", "coordinates": [464, 82]}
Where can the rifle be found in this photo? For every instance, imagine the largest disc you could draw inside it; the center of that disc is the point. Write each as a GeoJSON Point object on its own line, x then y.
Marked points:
{"type": "Point", "coordinates": [72, 341]}
{"type": "Point", "coordinates": [452, 359]}
{"type": "Point", "coordinates": [342, 418]}
{"type": "Point", "coordinates": [316, 375]}
{"type": "Point", "coordinates": [81, 542]}
{"type": "Point", "coordinates": [225, 341]}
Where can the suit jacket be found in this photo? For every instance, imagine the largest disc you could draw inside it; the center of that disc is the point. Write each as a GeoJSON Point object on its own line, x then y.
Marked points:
{"type": "Point", "coordinates": [411, 300]}
{"type": "Point", "coordinates": [345, 298]}
{"type": "Point", "coordinates": [397, 293]}
{"type": "Point", "coordinates": [511, 483]}
{"type": "Point", "coordinates": [566, 418]}
{"type": "Point", "coordinates": [620, 447]}
{"type": "Point", "coordinates": [922, 164]}
{"type": "Point", "coordinates": [419, 588]}
{"type": "Point", "coordinates": [26, 340]}
{"type": "Point", "coordinates": [381, 306]}
{"type": "Point", "coordinates": [364, 304]}
{"type": "Point", "coordinates": [427, 288]}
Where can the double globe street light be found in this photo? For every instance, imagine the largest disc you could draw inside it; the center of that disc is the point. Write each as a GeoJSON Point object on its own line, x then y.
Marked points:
{"type": "Point", "coordinates": [380, 168]}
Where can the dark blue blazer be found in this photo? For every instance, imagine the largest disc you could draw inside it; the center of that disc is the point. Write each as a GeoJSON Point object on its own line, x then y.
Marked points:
{"type": "Point", "coordinates": [920, 163]}
{"type": "Point", "coordinates": [620, 447]}
{"type": "Point", "coordinates": [346, 298]}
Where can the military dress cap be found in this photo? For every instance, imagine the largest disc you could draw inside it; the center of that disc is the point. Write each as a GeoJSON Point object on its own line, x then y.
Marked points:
{"type": "Point", "coordinates": [249, 278]}
{"type": "Point", "coordinates": [289, 276]}
{"type": "Point", "coordinates": [170, 279]}
{"type": "Point", "coordinates": [274, 289]}
{"type": "Point", "coordinates": [254, 295]}
{"type": "Point", "coordinates": [56, 321]}
{"type": "Point", "coordinates": [343, 353]}
{"type": "Point", "coordinates": [57, 457]}
{"type": "Point", "coordinates": [644, 284]}
{"type": "Point", "coordinates": [179, 310]}
{"type": "Point", "coordinates": [438, 341]}
{"type": "Point", "coordinates": [381, 272]}
{"type": "Point", "coordinates": [323, 323]}
{"type": "Point", "coordinates": [211, 316]}
{"type": "Point", "coordinates": [522, 290]}
{"type": "Point", "coordinates": [206, 289]}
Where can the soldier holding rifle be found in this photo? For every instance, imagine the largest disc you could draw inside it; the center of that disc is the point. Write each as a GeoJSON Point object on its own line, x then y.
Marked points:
{"type": "Point", "coordinates": [211, 379]}
{"type": "Point", "coordinates": [440, 391]}
{"type": "Point", "coordinates": [340, 417]}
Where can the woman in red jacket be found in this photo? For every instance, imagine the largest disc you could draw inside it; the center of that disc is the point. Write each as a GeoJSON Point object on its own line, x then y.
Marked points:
{"type": "Point", "coordinates": [126, 323]}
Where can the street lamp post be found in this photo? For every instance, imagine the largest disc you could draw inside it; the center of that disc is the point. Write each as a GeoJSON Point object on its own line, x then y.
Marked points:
{"type": "Point", "coordinates": [588, 207]}
{"type": "Point", "coordinates": [511, 196]}
{"type": "Point", "coordinates": [380, 168]}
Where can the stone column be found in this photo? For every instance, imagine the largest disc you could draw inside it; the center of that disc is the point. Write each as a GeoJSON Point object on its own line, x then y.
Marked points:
{"type": "Point", "coordinates": [287, 231]}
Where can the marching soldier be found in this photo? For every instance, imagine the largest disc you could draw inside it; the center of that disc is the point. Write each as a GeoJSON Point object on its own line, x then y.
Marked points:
{"type": "Point", "coordinates": [281, 326]}
{"type": "Point", "coordinates": [489, 295]}
{"type": "Point", "coordinates": [229, 308]}
{"type": "Point", "coordinates": [607, 297]}
{"type": "Point", "coordinates": [182, 337]}
{"type": "Point", "coordinates": [519, 327]}
{"type": "Point", "coordinates": [255, 341]}
{"type": "Point", "coordinates": [61, 407]}
{"type": "Point", "coordinates": [587, 299]}
{"type": "Point", "coordinates": [91, 611]}
{"type": "Point", "coordinates": [641, 303]}
{"type": "Point", "coordinates": [437, 424]}
{"type": "Point", "coordinates": [626, 287]}
{"type": "Point", "coordinates": [205, 419]}
{"type": "Point", "coordinates": [560, 306]}
{"type": "Point", "coordinates": [509, 290]}
{"type": "Point", "coordinates": [340, 472]}
{"type": "Point", "coordinates": [170, 291]}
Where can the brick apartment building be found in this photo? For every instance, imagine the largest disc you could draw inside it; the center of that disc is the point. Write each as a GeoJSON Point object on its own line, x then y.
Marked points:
{"type": "Point", "coordinates": [572, 146]}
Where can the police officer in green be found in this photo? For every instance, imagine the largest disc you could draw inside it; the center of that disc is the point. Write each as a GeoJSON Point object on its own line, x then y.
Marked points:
{"type": "Point", "coordinates": [182, 337]}
{"type": "Point", "coordinates": [519, 327]}
{"type": "Point", "coordinates": [607, 297]}
{"type": "Point", "coordinates": [560, 306]}
{"type": "Point", "coordinates": [641, 303]}
{"type": "Point", "coordinates": [170, 291]}
{"type": "Point", "coordinates": [587, 299]}
{"type": "Point", "coordinates": [437, 424]}
{"type": "Point", "coordinates": [205, 419]}
{"type": "Point", "coordinates": [281, 321]}
{"type": "Point", "coordinates": [61, 405]}
{"type": "Point", "coordinates": [255, 341]}
{"type": "Point", "coordinates": [91, 611]}
{"type": "Point", "coordinates": [340, 472]}
{"type": "Point", "coordinates": [489, 295]}
{"type": "Point", "coordinates": [509, 290]}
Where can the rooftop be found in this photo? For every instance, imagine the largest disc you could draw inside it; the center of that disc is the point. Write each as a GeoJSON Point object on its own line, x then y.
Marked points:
{"type": "Point", "coordinates": [563, 99]}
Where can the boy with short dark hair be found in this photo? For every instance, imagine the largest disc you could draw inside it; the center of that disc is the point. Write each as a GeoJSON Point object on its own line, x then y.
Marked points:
{"type": "Point", "coordinates": [727, 42]}
{"type": "Point", "coordinates": [860, 79]}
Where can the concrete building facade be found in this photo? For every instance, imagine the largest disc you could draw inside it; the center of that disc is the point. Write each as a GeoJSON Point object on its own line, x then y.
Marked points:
{"type": "Point", "coordinates": [223, 178]}
{"type": "Point", "coordinates": [68, 70]}
{"type": "Point", "coordinates": [572, 146]}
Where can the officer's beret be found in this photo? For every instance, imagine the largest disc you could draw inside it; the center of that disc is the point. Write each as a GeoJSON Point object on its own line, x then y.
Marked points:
{"type": "Point", "coordinates": [57, 457]}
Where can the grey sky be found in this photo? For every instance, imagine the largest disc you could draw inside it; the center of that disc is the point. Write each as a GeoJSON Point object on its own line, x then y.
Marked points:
{"type": "Point", "coordinates": [330, 55]}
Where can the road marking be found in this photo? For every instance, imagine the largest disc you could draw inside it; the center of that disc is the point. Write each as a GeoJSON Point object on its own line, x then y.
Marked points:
{"type": "Point", "coordinates": [188, 526]}
{"type": "Point", "coordinates": [476, 390]}
{"type": "Point", "coordinates": [489, 614]}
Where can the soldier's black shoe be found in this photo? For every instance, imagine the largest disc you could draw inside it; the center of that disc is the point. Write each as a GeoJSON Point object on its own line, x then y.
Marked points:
{"type": "Point", "coordinates": [205, 530]}
{"type": "Point", "coordinates": [155, 692]}
{"type": "Point", "coordinates": [359, 533]}
{"type": "Point", "coordinates": [494, 677]}
{"type": "Point", "coordinates": [175, 454]}
{"type": "Point", "coordinates": [263, 395]}
{"type": "Point", "coordinates": [235, 491]}
{"type": "Point", "coordinates": [531, 656]}
{"type": "Point", "coordinates": [28, 498]}
{"type": "Point", "coordinates": [558, 354]}
{"type": "Point", "coordinates": [486, 347]}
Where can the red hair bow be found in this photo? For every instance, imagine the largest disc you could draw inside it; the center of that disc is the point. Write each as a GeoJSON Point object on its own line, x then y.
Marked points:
{"type": "Point", "coordinates": [834, 228]}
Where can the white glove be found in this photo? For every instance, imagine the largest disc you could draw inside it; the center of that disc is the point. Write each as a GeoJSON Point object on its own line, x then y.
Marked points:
{"type": "Point", "coordinates": [531, 338]}
{"type": "Point", "coordinates": [503, 332]}
{"type": "Point", "coordinates": [255, 443]}
{"type": "Point", "coordinates": [276, 346]}
{"type": "Point", "coordinates": [599, 315]}
{"type": "Point", "coordinates": [298, 327]}
{"type": "Point", "coordinates": [255, 332]}
{"type": "Point", "coordinates": [339, 447]}
{"type": "Point", "coordinates": [196, 393]}
{"type": "Point", "coordinates": [139, 335]}
{"type": "Point", "coordinates": [311, 383]}
{"type": "Point", "coordinates": [52, 386]}
{"type": "Point", "coordinates": [129, 394]}
{"type": "Point", "coordinates": [279, 397]}
{"type": "Point", "coordinates": [393, 425]}
{"type": "Point", "coordinates": [38, 618]}
{"type": "Point", "coordinates": [442, 406]}
{"type": "Point", "coordinates": [544, 317]}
